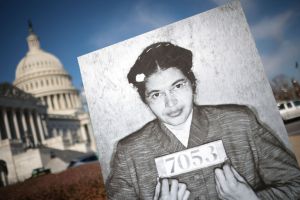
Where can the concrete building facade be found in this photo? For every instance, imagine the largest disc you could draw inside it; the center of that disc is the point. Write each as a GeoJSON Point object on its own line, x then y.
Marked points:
{"type": "Point", "coordinates": [40, 113]}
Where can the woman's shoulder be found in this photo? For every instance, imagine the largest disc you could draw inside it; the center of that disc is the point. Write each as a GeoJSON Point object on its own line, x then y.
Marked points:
{"type": "Point", "coordinates": [140, 135]}
{"type": "Point", "coordinates": [231, 111]}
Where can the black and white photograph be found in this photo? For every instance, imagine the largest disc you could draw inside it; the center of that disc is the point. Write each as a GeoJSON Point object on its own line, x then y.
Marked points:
{"type": "Point", "coordinates": [186, 112]}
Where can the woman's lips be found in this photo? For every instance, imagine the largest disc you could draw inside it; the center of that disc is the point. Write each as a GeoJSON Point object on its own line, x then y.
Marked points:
{"type": "Point", "coordinates": [175, 113]}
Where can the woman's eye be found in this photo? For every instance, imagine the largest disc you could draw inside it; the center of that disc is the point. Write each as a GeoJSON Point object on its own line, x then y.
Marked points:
{"type": "Point", "coordinates": [155, 95]}
{"type": "Point", "coordinates": [179, 85]}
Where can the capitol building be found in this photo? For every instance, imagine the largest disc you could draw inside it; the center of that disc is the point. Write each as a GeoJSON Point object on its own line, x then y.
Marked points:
{"type": "Point", "coordinates": [42, 120]}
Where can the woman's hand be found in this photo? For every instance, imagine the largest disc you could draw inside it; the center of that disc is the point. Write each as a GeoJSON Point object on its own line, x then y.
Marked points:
{"type": "Point", "coordinates": [177, 191]}
{"type": "Point", "coordinates": [231, 186]}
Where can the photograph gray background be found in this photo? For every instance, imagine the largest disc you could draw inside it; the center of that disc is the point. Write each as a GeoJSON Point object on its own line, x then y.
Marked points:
{"type": "Point", "coordinates": [225, 61]}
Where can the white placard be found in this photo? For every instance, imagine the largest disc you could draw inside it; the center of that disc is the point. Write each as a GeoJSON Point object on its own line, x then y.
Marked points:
{"type": "Point", "coordinates": [191, 159]}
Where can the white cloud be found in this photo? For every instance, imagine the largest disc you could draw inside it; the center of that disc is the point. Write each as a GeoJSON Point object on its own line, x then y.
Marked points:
{"type": "Point", "coordinates": [153, 16]}
{"type": "Point", "coordinates": [272, 27]}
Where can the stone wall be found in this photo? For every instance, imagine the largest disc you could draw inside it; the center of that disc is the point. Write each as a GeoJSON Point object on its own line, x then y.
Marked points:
{"type": "Point", "coordinates": [26, 162]}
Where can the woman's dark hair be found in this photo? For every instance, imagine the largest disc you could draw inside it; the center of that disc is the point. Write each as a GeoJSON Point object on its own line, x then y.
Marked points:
{"type": "Point", "coordinates": [161, 55]}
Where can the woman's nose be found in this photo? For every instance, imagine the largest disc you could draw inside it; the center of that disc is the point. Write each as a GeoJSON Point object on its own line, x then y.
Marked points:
{"type": "Point", "coordinates": [170, 99]}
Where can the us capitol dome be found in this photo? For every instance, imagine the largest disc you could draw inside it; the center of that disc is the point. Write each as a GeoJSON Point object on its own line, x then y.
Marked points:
{"type": "Point", "coordinates": [43, 75]}
{"type": "Point", "coordinates": [42, 120]}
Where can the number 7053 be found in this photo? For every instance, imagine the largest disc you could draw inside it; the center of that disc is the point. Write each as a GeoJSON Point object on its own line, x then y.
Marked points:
{"type": "Point", "coordinates": [191, 159]}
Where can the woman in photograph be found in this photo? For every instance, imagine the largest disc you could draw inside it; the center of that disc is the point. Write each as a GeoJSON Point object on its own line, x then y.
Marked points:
{"type": "Point", "coordinates": [259, 166]}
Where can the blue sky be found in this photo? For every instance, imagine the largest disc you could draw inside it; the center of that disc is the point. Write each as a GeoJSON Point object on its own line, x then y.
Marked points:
{"type": "Point", "coordinates": [69, 29]}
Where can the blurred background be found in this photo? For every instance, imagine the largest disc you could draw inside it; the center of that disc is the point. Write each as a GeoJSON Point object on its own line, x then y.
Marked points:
{"type": "Point", "coordinates": [46, 138]}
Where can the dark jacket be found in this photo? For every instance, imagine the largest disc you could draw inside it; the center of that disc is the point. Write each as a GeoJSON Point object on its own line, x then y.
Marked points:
{"type": "Point", "coordinates": [257, 154]}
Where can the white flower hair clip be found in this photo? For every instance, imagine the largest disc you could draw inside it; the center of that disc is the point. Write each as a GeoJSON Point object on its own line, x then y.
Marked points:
{"type": "Point", "coordinates": [140, 77]}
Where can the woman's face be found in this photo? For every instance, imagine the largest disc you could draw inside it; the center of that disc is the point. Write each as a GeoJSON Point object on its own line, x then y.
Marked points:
{"type": "Point", "coordinates": [169, 95]}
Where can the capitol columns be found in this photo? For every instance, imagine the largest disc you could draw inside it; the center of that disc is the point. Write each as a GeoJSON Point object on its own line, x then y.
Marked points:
{"type": "Point", "coordinates": [16, 124]}
{"type": "Point", "coordinates": [73, 96]}
{"type": "Point", "coordinates": [6, 124]}
{"type": "Point", "coordinates": [35, 141]}
{"type": "Point", "coordinates": [55, 101]}
{"type": "Point", "coordinates": [63, 102]}
{"type": "Point", "coordinates": [40, 126]}
{"type": "Point", "coordinates": [60, 101]}
{"type": "Point", "coordinates": [25, 128]}
{"type": "Point", "coordinates": [49, 103]}
{"type": "Point", "coordinates": [70, 100]}
{"type": "Point", "coordinates": [44, 125]}
{"type": "Point", "coordinates": [67, 100]}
